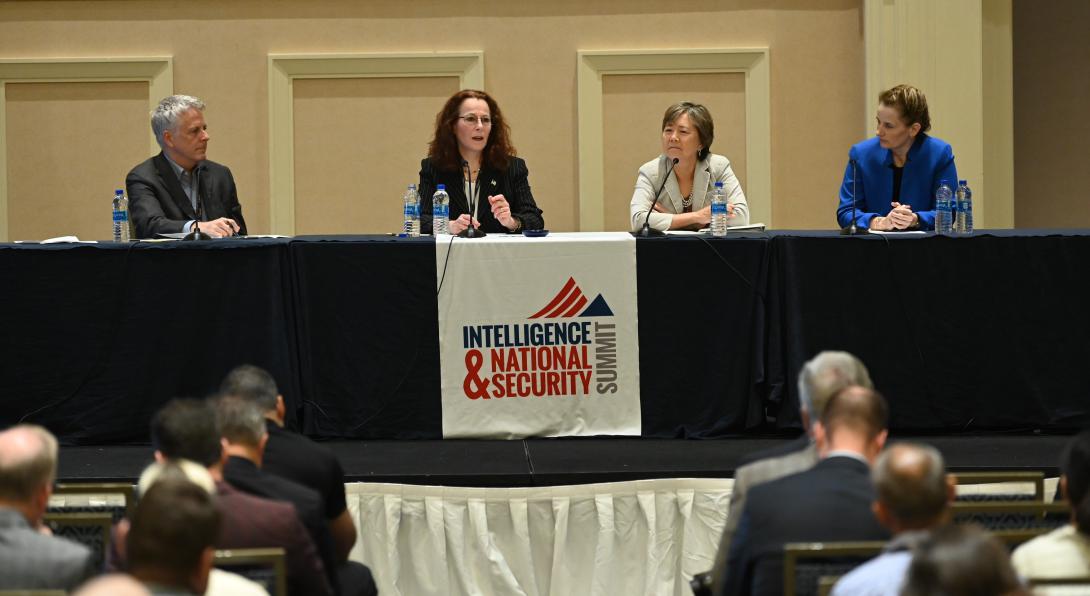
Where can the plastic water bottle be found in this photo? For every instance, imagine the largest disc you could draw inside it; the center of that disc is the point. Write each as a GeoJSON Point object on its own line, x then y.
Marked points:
{"type": "Point", "coordinates": [121, 216]}
{"type": "Point", "coordinates": [719, 210]}
{"type": "Point", "coordinates": [964, 223]}
{"type": "Point", "coordinates": [412, 212]}
{"type": "Point", "coordinates": [944, 198]}
{"type": "Point", "coordinates": [440, 210]}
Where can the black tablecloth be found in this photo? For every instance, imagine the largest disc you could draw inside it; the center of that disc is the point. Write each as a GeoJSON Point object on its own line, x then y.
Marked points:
{"type": "Point", "coordinates": [982, 333]}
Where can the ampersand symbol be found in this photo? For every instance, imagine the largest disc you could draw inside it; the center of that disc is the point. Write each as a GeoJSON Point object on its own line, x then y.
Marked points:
{"type": "Point", "coordinates": [474, 361]}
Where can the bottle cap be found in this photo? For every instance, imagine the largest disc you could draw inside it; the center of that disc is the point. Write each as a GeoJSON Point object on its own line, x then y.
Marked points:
{"type": "Point", "coordinates": [718, 184]}
{"type": "Point", "coordinates": [119, 192]}
{"type": "Point", "coordinates": [963, 183]}
{"type": "Point", "coordinates": [441, 187]}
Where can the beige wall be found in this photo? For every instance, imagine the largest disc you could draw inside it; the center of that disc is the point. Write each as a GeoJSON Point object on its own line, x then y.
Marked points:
{"type": "Point", "coordinates": [1051, 132]}
{"type": "Point", "coordinates": [220, 53]}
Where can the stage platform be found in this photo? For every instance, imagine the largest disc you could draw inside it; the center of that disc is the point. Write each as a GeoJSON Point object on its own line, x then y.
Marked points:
{"type": "Point", "coordinates": [551, 462]}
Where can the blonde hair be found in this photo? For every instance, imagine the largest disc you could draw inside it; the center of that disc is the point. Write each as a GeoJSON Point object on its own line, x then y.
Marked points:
{"type": "Point", "coordinates": [910, 102]}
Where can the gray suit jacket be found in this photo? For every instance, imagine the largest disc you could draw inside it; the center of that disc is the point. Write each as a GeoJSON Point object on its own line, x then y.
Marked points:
{"type": "Point", "coordinates": [158, 205]}
{"type": "Point", "coordinates": [33, 561]}
{"type": "Point", "coordinates": [745, 478]}
{"type": "Point", "coordinates": [714, 168]}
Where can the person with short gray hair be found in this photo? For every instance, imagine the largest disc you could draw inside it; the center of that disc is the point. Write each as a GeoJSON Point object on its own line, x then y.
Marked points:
{"type": "Point", "coordinates": [180, 189]}
{"type": "Point", "coordinates": [685, 204]}
{"type": "Point", "coordinates": [30, 557]}
{"type": "Point", "coordinates": [913, 495]}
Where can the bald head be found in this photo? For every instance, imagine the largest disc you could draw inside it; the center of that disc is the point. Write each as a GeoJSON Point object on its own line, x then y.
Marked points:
{"type": "Point", "coordinates": [826, 374]}
{"type": "Point", "coordinates": [857, 410]}
{"type": "Point", "coordinates": [28, 462]}
{"type": "Point", "coordinates": [911, 483]}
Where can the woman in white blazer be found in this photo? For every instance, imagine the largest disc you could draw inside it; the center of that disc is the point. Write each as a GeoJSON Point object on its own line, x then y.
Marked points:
{"type": "Point", "coordinates": [685, 204]}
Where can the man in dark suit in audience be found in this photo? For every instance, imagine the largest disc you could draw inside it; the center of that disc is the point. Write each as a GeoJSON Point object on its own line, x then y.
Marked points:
{"type": "Point", "coordinates": [30, 558]}
{"type": "Point", "coordinates": [177, 188]}
{"type": "Point", "coordinates": [829, 502]}
{"type": "Point", "coordinates": [242, 426]}
{"type": "Point", "coordinates": [295, 457]}
{"type": "Point", "coordinates": [819, 380]}
{"type": "Point", "coordinates": [186, 429]}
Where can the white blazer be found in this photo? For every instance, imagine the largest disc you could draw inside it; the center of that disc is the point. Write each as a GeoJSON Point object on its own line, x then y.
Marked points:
{"type": "Point", "coordinates": [714, 168]}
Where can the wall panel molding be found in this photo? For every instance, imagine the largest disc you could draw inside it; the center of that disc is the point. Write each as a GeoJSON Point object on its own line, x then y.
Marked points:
{"type": "Point", "coordinates": [157, 71]}
{"type": "Point", "coordinates": [593, 65]}
{"type": "Point", "coordinates": [285, 68]}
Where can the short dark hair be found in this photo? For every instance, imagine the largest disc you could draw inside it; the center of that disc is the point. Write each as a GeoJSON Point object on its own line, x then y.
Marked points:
{"type": "Point", "coordinates": [699, 117]}
{"type": "Point", "coordinates": [863, 410]}
{"type": "Point", "coordinates": [961, 559]}
{"type": "Point", "coordinates": [240, 421]}
{"type": "Point", "coordinates": [187, 429]}
{"type": "Point", "coordinates": [253, 383]}
{"type": "Point", "coordinates": [910, 479]}
{"type": "Point", "coordinates": [174, 522]}
{"type": "Point", "coordinates": [910, 102]}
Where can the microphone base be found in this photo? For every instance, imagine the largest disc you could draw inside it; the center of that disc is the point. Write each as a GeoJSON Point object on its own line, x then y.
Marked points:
{"type": "Point", "coordinates": [472, 232]}
{"type": "Point", "coordinates": [853, 230]}
{"type": "Point", "coordinates": [648, 232]}
{"type": "Point", "coordinates": [196, 235]}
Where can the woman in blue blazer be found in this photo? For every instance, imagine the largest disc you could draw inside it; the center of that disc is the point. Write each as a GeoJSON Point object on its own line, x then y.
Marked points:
{"type": "Point", "coordinates": [896, 172]}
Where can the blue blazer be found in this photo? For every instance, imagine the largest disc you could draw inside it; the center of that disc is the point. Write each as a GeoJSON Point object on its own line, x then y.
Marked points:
{"type": "Point", "coordinates": [929, 161]}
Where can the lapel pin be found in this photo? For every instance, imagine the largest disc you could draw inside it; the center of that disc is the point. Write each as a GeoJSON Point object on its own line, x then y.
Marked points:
{"type": "Point", "coordinates": [493, 183]}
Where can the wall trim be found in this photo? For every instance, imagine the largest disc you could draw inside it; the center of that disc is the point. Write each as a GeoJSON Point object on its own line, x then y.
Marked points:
{"type": "Point", "coordinates": [593, 65]}
{"type": "Point", "coordinates": [157, 71]}
{"type": "Point", "coordinates": [285, 68]}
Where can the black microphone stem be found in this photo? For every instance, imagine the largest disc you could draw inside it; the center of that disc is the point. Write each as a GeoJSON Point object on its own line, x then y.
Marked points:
{"type": "Point", "coordinates": [646, 230]}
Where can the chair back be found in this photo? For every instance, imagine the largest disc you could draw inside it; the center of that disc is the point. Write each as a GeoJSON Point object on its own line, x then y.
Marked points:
{"type": "Point", "coordinates": [262, 565]}
{"type": "Point", "coordinates": [804, 563]}
{"type": "Point", "coordinates": [1001, 486]}
{"type": "Point", "coordinates": [996, 516]}
{"type": "Point", "coordinates": [89, 529]}
{"type": "Point", "coordinates": [117, 498]}
{"type": "Point", "coordinates": [826, 583]}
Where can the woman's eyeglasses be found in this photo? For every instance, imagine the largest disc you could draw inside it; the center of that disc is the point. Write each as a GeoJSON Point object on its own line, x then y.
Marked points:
{"type": "Point", "coordinates": [472, 120]}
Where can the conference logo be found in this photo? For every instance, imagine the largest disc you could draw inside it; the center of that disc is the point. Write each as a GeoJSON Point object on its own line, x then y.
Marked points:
{"type": "Point", "coordinates": [567, 348]}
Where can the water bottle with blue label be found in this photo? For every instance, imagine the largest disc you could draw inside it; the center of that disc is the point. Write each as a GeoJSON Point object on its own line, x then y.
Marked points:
{"type": "Point", "coordinates": [964, 221]}
{"type": "Point", "coordinates": [121, 216]}
{"type": "Point", "coordinates": [440, 210]}
{"type": "Point", "coordinates": [411, 211]}
{"type": "Point", "coordinates": [944, 205]}
{"type": "Point", "coordinates": [719, 211]}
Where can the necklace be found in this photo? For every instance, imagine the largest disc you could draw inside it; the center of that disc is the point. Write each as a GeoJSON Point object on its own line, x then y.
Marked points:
{"type": "Point", "coordinates": [687, 201]}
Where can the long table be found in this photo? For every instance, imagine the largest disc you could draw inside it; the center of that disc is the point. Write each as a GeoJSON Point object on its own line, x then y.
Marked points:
{"type": "Point", "coordinates": [981, 333]}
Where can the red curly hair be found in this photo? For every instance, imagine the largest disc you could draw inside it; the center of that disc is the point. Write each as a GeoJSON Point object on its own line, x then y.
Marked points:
{"type": "Point", "coordinates": [443, 149]}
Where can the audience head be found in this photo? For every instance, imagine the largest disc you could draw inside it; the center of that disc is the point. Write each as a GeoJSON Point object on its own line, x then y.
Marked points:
{"type": "Point", "coordinates": [241, 424]}
{"type": "Point", "coordinates": [169, 112]}
{"type": "Point", "coordinates": [255, 384]}
{"type": "Point", "coordinates": [961, 560]}
{"type": "Point", "coordinates": [1076, 479]}
{"type": "Point", "coordinates": [186, 429]}
{"type": "Point", "coordinates": [172, 535]}
{"type": "Point", "coordinates": [454, 134]}
{"type": "Point", "coordinates": [177, 470]}
{"type": "Point", "coordinates": [854, 419]}
{"type": "Point", "coordinates": [115, 584]}
{"type": "Point", "coordinates": [28, 466]}
{"type": "Point", "coordinates": [910, 104]}
{"type": "Point", "coordinates": [912, 487]}
{"type": "Point", "coordinates": [699, 118]}
{"type": "Point", "coordinates": [823, 376]}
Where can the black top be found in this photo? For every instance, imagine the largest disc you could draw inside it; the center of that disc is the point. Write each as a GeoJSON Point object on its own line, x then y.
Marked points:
{"type": "Point", "coordinates": [512, 183]}
{"type": "Point", "coordinates": [244, 475]}
{"type": "Point", "coordinates": [898, 174]}
{"type": "Point", "coordinates": [297, 458]}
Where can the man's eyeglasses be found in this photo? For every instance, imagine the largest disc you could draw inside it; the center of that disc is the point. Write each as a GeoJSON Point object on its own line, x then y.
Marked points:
{"type": "Point", "coordinates": [472, 120]}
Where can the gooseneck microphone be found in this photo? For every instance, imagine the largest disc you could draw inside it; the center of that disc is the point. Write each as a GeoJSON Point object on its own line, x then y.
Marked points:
{"type": "Point", "coordinates": [853, 229]}
{"type": "Point", "coordinates": [471, 231]}
{"type": "Point", "coordinates": [646, 231]}
{"type": "Point", "coordinates": [197, 234]}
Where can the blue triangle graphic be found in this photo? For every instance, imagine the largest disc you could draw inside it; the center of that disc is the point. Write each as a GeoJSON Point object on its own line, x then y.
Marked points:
{"type": "Point", "coordinates": [598, 308]}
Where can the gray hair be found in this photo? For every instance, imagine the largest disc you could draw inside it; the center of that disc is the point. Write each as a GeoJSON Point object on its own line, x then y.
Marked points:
{"type": "Point", "coordinates": [28, 461]}
{"type": "Point", "coordinates": [825, 375]}
{"type": "Point", "coordinates": [240, 421]}
{"type": "Point", "coordinates": [165, 116]}
{"type": "Point", "coordinates": [910, 479]}
{"type": "Point", "coordinates": [252, 383]}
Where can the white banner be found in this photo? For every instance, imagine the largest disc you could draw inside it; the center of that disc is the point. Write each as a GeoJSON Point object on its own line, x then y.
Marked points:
{"type": "Point", "coordinates": [538, 336]}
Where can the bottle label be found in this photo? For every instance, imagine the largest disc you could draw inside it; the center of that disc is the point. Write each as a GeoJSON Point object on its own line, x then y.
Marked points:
{"type": "Point", "coordinates": [120, 216]}
{"type": "Point", "coordinates": [410, 210]}
{"type": "Point", "coordinates": [442, 211]}
{"type": "Point", "coordinates": [964, 206]}
{"type": "Point", "coordinates": [719, 208]}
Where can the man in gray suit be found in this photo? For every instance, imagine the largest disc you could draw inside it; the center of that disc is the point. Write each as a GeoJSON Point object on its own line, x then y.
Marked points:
{"type": "Point", "coordinates": [819, 380]}
{"type": "Point", "coordinates": [31, 558]}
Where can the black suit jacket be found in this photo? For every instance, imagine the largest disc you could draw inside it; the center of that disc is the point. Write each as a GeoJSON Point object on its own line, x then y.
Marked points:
{"type": "Point", "coordinates": [244, 475]}
{"type": "Point", "coordinates": [158, 205]}
{"type": "Point", "coordinates": [829, 502]}
{"type": "Point", "coordinates": [297, 458]}
{"type": "Point", "coordinates": [512, 183]}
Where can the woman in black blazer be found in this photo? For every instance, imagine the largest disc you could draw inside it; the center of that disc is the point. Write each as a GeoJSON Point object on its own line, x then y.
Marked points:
{"type": "Point", "coordinates": [472, 144]}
